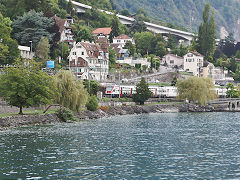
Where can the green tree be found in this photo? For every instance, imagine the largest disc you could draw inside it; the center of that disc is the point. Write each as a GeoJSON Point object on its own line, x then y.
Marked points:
{"type": "Point", "coordinates": [207, 33]}
{"type": "Point", "coordinates": [143, 42]}
{"type": "Point", "coordinates": [130, 46]}
{"type": "Point", "coordinates": [160, 49]}
{"type": "Point", "coordinates": [8, 47]}
{"type": "Point", "coordinates": [94, 87]}
{"type": "Point", "coordinates": [198, 90]}
{"type": "Point", "coordinates": [92, 104]}
{"type": "Point", "coordinates": [42, 50]}
{"type": "Point", "coordinates": [82, 32]}
{"type": "Point", "coordinates": [32, 26]}
{"type": "Point", "coordinates": [112, 57]}
{"type": "Point", "coordinates": [143, 93]}
{"type": "Point", "coordinates": [70, 92]}
{"type": "Point", "coordinates": [26, 85]}
{"type": "Point", "coordinates": [231, 92]}
{"type": "Point", "coordinates": [115, 29]}
{"type": "Point", "coordinates": [70, 8]}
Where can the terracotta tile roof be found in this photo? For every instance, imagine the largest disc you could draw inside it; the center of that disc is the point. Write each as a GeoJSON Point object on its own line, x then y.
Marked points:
{"type": "Point", "coordinates": [105, 31]}
{"type": "Point", "coordinates": [122, 36]}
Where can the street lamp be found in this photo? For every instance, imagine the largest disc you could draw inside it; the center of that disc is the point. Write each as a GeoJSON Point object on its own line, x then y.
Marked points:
{"type": "Point", "coordinates": [31, 49]}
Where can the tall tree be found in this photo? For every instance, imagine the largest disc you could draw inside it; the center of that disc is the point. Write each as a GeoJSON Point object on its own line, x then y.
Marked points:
{"type": "Point", "coordinates": [26, 85]}
{"type": "Point", "coordinates": [71, 92]}
{"type": "Point", "coordinates": [32, 26]}
{"type": "Point", "coordinates": [143, 93]}
{"type": "Point", "coordinates": [8, 47]}
{"type": "Point", "coordinates": [42, 50]}
{"type": "Point", "coordinates": [207, 33]}
{"type": "Point", "coordinates": [115, 29]}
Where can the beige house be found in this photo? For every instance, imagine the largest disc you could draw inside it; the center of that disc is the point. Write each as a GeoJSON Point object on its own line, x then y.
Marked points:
{"type": "Point", "coordinates": [89, 61]}
{"type": "Point", "coordinates": [193, 63]}
{"type": "Point", "coordinates": [173, 60]}
{"type": "Point", "coordinates": [208, 70]}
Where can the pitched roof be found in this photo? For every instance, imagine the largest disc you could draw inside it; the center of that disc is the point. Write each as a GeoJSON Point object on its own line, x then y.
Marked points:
{"type": "Point", "coordinates": [60, 23]}
{"type": "Point", "coordinates": [105, 31]}
{"type": "Point", "coordinates": [122, 36]}
{"type": "Point", "coordinates": [174, 55]}
{"type": "Point", "coordinates": [196, 53]}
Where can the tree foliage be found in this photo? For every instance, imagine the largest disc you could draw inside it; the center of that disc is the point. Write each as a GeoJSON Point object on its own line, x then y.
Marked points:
{"type": "Point", "coordinates": [32, 26]}
{"type": "Point", "coordinates": [71, 92]}
{"type": "Point", "coordinates": [92, 104]}
{"type": "Point", "coordinates": [198, 90]}
{"type": "Point", "coordinates": [8, 47]}
{"type": "Point", "coordinates": [26, 85]}
{"type": "Point", "coordinates": [143, 93]}
{"type": "Point", "coordinates": [42, 50]}
{"type": "Point", "coordinates": [207, 33]}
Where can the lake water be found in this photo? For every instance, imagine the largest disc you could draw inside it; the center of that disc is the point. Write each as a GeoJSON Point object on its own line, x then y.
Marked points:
{"type": "Point", "coordinates": [155, 146]}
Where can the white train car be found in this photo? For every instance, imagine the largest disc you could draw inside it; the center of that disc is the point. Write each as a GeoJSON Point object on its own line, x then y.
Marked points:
{"type": "Point", "coordinates": [157, 91]}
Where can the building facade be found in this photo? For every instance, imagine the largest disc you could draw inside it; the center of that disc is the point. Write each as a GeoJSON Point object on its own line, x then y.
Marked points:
{"type": "Point", "coordinates": [193, 63]}
{"type": "Point", "coordinates": [65, 30]}
{"type": "Point", "coordinates": [122, 40]}
{"type": "Point", "coordinates": [25, 52]}
{"type": "Point", "coordinates": [89, 61]}
{"type": "Point", "coordinates": [172, 60]}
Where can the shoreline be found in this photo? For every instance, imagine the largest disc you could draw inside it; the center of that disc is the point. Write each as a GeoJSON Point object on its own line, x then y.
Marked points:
{"type": "Point", "coordinates": [28, 120]}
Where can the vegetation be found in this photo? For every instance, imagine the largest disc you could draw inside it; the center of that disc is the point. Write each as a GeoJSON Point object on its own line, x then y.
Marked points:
{"type": "Point", "coordinates": [26, 85]}
{"type": "Point", "coordinates": [207, 34]}
{"type": "Point", "coordinates": [92, 104]}
{"type": "Point", "coordinates": [93, 85]}
{"type": "Point", "coordinates": [198, 90]}
{"type": "Point", "coordinates": [32, 26]}
{"type": "Point", "coordinates": [70, 92]}
{"type": "Point", "coordinates": [143, 93]}
{"type": "Point", "coordinates": [185, 13]}
{"type": "Point", "coordinates": [8, 46]}
{"type": "Point", "coordinates": [42, 50]}
{"type": "Point", "coordinates": [232, 92]}
{"type": "Point", "coordinates": [66, 114]}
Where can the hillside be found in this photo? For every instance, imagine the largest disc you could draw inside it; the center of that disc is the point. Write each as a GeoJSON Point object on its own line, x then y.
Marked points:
{"type": "Point", "coordinates": [188, 13]}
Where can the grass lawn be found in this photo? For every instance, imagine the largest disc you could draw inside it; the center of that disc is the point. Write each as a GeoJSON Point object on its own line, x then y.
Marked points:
{"type": "Point", "coordinates": [32, 112]}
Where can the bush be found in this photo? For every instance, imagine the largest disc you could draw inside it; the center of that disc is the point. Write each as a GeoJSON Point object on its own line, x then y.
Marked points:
{"type": "Point", "coordinates": [66, 115]}
{"type": "Point", "coordinates": [92, 104]}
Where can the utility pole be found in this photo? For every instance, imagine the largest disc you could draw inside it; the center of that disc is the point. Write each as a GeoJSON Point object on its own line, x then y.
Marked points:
{"type": "Point", "coordinates": [119, 84]}
{"type": "Point", "coordinates": [31, 50]}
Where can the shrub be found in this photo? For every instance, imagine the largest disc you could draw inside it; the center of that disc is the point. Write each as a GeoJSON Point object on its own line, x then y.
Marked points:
{"type": "Point", "coordinates": [92, 104]}
{"type": "Point", "coordinates": [66, 115]}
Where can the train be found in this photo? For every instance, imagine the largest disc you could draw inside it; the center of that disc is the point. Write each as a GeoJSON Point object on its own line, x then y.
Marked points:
{"type": "Point", "coordinates": [157, 91]}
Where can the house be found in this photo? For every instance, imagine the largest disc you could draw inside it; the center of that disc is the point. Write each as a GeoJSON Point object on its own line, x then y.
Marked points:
{"type": "Point", "coordinates": [102, 31]}
{"type": "Point", "coordinates": [173, 60]}
{"type": "Point", "coordinates": [208, 70]}
{"type": "Point", "coordinates": [65, 30]}
{"type": "Point", "coordinates": [193, 62]}
{"type": "Point", "coordinates": [134, 61]}
{"type": "Point", "coordinates": [122, 40]}
{"type": "Point", "coordinates": [89, 61]}
{"type": "Point", "coordinates": [25, 52]}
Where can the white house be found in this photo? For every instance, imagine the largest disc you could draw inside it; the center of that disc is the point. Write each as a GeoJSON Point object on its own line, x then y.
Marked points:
{"type": "Point", "coordinates": [25, 52]}
{"type": "Point", "coordinates": [122, 40]}
{"type": "Point", "coordinates": [193, 62]}
{"type": "Point", "coordinates": [89, 61]}
{"type": "Point", "coordinates": [173, 60]}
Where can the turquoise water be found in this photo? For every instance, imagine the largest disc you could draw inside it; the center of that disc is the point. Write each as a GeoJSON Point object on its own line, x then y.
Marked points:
{"type": "Point", "coordinates": [156, 146]}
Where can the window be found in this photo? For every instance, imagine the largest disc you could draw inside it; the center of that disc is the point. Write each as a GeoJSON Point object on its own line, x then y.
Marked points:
{"type": "Point", "coordinates": [82, 53]}
{"type": "Point", "coordinates": [171, 61]}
